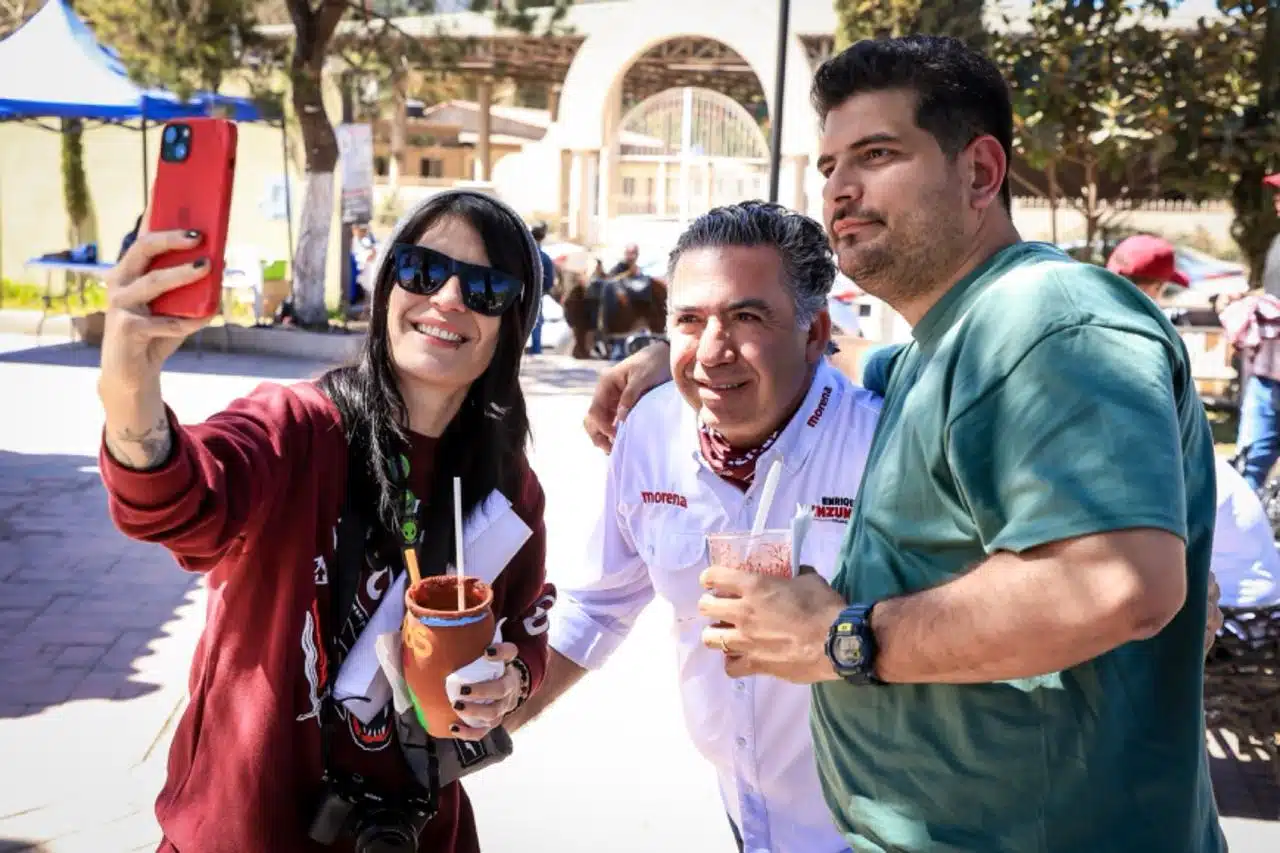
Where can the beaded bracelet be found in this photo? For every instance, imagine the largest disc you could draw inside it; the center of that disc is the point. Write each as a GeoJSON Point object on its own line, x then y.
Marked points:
{"type": "Point", "coordinates": [526, 681]}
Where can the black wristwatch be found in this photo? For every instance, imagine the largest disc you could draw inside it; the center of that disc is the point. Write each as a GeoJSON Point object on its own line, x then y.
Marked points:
{"type": "Point", "coordinates": [851, 645]}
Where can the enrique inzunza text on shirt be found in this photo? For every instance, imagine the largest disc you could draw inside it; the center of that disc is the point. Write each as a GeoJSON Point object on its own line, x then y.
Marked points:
{"type": "Point", "coordinates": [660, 501]}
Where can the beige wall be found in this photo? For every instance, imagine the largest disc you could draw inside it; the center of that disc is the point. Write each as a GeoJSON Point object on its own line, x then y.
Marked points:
{"type": "Point", "coordinates": [33, 219]}
{"type": "Point", "coordinates": [458, 163]}
{"type": "Point", "coordinates": [1210, 225]}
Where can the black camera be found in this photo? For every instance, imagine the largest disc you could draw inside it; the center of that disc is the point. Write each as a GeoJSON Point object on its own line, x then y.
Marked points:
{"type": "Point", "coordinates": [376, 824]}
{"type": "Point", "coordinates": [175, 144]}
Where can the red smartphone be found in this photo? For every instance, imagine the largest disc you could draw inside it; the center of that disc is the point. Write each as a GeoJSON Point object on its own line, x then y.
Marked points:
{"type": "Point", "coordinates": [192, 190]}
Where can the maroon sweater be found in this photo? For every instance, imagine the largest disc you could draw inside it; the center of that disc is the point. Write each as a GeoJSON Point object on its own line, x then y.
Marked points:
{"type": "Point", "coordinates": [251, 497]}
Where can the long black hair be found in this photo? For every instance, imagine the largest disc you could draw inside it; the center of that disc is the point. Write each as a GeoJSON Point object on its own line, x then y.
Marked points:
{"type": "Point", "coordinates": [485, 442]}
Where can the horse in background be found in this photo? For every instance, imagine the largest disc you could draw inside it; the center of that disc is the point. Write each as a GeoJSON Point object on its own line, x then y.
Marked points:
{"type": "Point", "coordinates": [603, 311]}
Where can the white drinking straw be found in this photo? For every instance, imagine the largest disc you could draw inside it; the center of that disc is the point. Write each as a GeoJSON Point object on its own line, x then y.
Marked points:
{"type": "Point", "coordinates": [457, 536]}
{"type": "Point", "coordinates": [766, 496]}
{"type": "Point", "coordinates": [766, 502]}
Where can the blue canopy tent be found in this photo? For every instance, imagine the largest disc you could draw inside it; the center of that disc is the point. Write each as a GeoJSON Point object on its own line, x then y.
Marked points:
{"type": "Point", "coordinates": [53, 67]}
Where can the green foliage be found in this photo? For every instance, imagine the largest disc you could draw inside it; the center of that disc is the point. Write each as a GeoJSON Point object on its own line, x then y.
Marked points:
{"type": "Point", "coordinates": [25, 296]}
{"type": "Point", "coordinates": [1088, 82]}
{"type": "Point", "coordinates": [181, 45]}
{"type": "Point", "coordinates": [1225, 99]}
{"type": "Point", "coordinates": [863, 19]}
{"type": "Point", "coordinates": [14, 12]}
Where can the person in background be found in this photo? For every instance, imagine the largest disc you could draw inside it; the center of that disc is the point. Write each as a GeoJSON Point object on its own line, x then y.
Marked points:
{"type": "Point", "coordinates": [630, 263]}
{"type": "Point", "coordinates": [1259, 433]}
{"type": "Point", "coordinates": [364, 249]}
{"type": "Point", "coordinates": [1149, 262]}
{"type": "Point", "coordinates": [539, 231]}
{"type": "Point", "coordinates": [1245, 561]}
{"type": "Point", "coordinates": [252, 497]}
{"type": "Point", "coordinates": [131, 237]}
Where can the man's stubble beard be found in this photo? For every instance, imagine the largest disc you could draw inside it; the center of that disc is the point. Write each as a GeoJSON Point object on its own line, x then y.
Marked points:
{"type": "Point", "coordinates": [913, 258]}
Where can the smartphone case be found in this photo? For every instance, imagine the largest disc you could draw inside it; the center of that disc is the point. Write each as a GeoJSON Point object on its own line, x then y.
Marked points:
{"type": "Point", "coordinates": [195, 193]}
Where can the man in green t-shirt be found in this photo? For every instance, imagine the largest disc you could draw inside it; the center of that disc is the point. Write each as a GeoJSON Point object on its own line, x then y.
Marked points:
{"type": "Point", "coordinates": [1010, 657]}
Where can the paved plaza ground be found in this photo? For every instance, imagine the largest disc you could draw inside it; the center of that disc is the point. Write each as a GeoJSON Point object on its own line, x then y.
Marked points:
{"type": "Point", "coordinates": [96, 633]}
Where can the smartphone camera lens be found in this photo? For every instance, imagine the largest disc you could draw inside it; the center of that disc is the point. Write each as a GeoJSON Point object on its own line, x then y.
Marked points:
{"type": "Point", "coordinates": [175, 145]}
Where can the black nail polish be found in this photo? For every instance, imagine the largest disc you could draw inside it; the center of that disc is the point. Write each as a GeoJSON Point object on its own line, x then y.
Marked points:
{"type": "Point", "coordinates": [459, 705]}
{"type": "Point", "coordinates": [465, 690]}
{"type": "Point", "coordinates": [454, 728]}
{"type": "Point", "coordinates": [491, 651]}
{"type": "Point", "coordinates": [193, 234]}
{"type": "Point", "coordinates": [200, 263]}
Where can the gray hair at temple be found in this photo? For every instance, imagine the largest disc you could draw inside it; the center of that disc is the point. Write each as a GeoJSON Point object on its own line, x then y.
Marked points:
{"type": "Point", "coordinates": [808, 266]}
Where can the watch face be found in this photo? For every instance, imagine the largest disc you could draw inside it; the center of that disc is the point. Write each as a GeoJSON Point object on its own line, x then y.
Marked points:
{"type": "Point", "coordinates": [847, 650]}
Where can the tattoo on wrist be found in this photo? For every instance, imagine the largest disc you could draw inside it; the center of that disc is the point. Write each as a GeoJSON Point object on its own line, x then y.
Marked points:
{"type": "Point", "coordinates": [152, 445]}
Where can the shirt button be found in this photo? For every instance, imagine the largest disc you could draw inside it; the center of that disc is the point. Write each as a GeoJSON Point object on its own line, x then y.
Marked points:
{"type": "Point", "coordinates": [740, 686]}
{"type": "Point", "coordinates": [742, 743]}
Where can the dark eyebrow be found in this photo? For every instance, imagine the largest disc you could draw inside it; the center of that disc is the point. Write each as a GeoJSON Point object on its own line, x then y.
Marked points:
{"type": "Point", "coordinates": [872, 139]}
{"type": "Point", "coordinates": [755, 304]}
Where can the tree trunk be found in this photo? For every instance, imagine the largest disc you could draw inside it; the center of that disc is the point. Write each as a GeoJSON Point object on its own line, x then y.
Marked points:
{"type": "Point", "coordinates": [399, 135]}
{"type": "Point", "coordinates": [1051, 172]}
{"type": "Point", "coordinates": [75, 184]}
{"type": "Point", "coordinates": [320, 145]}
{"type": "Point", "coordinates": [1091, 213]}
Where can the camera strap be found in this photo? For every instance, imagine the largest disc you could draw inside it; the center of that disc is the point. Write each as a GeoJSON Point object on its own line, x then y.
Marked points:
{"type": "Point", "coordinates": [351, 556]}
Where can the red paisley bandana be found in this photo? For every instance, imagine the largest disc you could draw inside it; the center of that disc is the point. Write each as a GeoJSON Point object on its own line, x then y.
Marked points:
{"type": "Point", "coordinates": [728, 462]}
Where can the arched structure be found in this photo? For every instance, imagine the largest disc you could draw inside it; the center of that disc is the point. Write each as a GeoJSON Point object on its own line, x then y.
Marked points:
{"type": "Point", "coordinates": [590, 104]}
{"type": "Point", "coordinates": [686, 150]}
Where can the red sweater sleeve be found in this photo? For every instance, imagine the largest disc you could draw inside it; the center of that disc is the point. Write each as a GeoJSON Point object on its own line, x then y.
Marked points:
{"type": "Point", "coordinates": [528, 596]}
{"type": "Point", "coordinates": [222, 478]}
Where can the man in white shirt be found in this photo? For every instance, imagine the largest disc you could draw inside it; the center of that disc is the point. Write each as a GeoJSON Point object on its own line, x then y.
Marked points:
{"type": "Point", "coordinates": [1245, 560]}
{"type": "Point", "coordinates": [748, 328]}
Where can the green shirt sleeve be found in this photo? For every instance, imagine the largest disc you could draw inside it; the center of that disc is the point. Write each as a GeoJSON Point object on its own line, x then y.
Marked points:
{"type": "Point", "coordinates": [1080, 437]}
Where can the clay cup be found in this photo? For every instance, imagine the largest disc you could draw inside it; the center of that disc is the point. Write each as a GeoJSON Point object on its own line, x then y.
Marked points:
{"type": "Point", "coordinates": [439, 639]}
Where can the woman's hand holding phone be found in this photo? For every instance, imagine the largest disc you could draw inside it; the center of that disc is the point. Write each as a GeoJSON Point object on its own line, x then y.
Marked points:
{"type": "Point", "coordinates": [136, 343]}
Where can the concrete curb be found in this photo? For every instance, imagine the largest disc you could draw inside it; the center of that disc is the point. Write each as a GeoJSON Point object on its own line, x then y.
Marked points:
{"type": "Point", "coordinates": [333, 347]}
{"type": "Point", "coordinates": [15, 321]}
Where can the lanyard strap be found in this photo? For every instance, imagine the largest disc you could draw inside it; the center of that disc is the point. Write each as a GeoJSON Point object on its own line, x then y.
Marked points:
{"type": "Point", "coordinates": [350, 559]}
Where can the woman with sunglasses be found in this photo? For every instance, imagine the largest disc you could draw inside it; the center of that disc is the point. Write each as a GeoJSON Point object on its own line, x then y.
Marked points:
{"type": "Point", "coordinates": [253, 496]}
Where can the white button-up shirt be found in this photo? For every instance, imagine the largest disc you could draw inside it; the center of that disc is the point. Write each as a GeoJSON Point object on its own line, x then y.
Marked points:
{"type": "Point", "coordinates": [1245, 560]}
{"type": "Point", "coordinates": [660, 502]}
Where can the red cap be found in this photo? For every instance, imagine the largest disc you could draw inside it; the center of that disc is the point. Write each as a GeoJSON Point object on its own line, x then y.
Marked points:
{"type": "Point", "coordinates": [1272, 180]}
{"type": "Point", "coordinates": [1145, 256]}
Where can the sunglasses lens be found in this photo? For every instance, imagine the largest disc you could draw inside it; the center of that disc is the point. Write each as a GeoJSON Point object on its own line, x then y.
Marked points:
{"type": "Point", "coordinates": [438, 272]}
{"type": "Point", "coordinates": [491, 294]}
{"type": "Point", "coordinates": [408, 270]}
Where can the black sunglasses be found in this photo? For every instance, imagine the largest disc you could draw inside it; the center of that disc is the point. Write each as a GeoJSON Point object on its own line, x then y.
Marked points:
{"type": "Point", "coordinates": [424, 271]}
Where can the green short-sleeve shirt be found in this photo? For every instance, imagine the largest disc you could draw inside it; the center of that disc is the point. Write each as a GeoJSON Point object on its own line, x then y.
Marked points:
{"type": "Point", "coordinates": [1041, 399]}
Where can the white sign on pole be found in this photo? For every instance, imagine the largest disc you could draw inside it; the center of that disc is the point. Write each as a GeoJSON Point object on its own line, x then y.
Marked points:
{"type": "Point", "coordinates": [273, 205]}
{"type": "Point", "coordinates": [355, 147]}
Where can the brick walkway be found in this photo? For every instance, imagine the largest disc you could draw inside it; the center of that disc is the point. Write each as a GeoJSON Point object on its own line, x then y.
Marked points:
{"type": "Point", "coordinates": [95, 634]}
